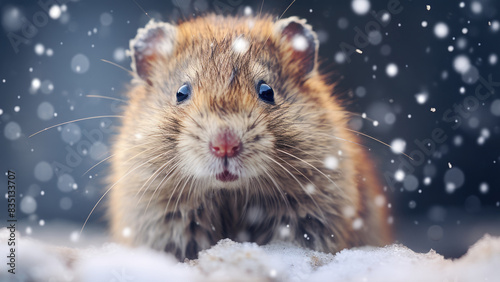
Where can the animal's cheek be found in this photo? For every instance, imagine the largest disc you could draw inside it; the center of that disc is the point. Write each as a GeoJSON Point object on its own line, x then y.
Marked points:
{"type": "Point", "coordinates": [258, 146]}
{"type": "Point", "coordinates": [192, 143]}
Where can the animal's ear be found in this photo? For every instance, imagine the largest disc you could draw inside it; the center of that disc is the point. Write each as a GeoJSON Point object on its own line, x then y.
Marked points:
{"type": "Point", "coordinates": [301, 43]}
{"type": "Point", "coordinates": [151, 43]}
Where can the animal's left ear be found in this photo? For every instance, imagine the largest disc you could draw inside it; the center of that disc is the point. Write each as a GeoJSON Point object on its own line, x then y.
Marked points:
{"type": "Point", "coordinates": [300, 41]}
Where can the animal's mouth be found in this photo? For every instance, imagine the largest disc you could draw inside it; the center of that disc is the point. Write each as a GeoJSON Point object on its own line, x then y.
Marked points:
{"type": "Point", "coordinates": [226, 176]}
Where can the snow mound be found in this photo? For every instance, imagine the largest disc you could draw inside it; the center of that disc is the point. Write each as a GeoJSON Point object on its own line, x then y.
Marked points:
{"type": "Point", "coordinates": [231, 261]}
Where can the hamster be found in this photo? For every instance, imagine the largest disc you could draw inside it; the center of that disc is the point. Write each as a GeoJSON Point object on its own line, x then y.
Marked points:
{"type": "Point", "coordinates": [232, 132]}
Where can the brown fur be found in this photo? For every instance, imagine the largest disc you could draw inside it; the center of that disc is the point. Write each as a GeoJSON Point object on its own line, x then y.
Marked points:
{"type": "Point", "coordinates": [164, 188]}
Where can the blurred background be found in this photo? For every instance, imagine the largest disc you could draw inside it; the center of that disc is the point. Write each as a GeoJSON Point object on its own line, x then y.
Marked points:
{"type": "Point", "coordinates": [423, 76]}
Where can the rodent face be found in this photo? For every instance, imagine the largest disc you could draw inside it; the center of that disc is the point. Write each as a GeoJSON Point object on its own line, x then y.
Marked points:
{"type": "Point", "coordinates": [209, 98]}
{"type": "Point", "coordinates": [226, 132]}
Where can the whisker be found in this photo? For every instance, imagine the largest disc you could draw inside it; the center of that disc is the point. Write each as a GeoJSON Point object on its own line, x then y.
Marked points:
{"type": "Point", "coordinates": [278, 188]}
{"type": "Point", "coordinates": [106, 97]}
{"type": "Point", "coordinates": [76, 120]}
{"type": "Point", "coordinates": [117, 65]}
{"type": "Point", "coordinates": [298, 149]}
{"type": "Point", "coordinates": [180, 194]}
{"type": "Point", "coordinates": [166, 177]}
{"type": "Point", "coordinates": [261, 7]}
{"type": "Point", "coordinates": [140, 7]}
{"type": "Point", "coordinates": [113, 156]}
{"type": "Point", "coordinates": [302, 186]}
{"type": "Point", "coordinates": [98, 164]}
{"type": "Point", "coordinates": [342, 139]}
{"type": "Point", "coordinates": [373, 138]}
{"type": "Point", "coordinates": [281, 16]}
{"type": "Point", "coordinates": [171, 195]}
{"type": "Point", "coordinates": [109, 189]}
{"type": "Point", "coordinates": [355, 131]}
{"type": "Point", "coordinates": [287, 9]}
{"type": "Point", "coordinates": [315, 168]}
{"type": "Point", "coordinates": [155, 175]}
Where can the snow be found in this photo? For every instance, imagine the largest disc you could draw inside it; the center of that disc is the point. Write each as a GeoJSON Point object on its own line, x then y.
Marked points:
{"type": "Point", "coordinates": [331, 162]}
{"type": "Point", "coordinates": [247, 11]}
{"type": "Point", "coordinates": [45, 111]}
{"type": "Point", "coordinates": [340, 57]}
{"type": "Point", "coordinates": [357, 223]}
{"type": "Point", "coordinates": [483, 188]}
{"type": "Point", "coordinates": [453, 178]}
{"type": "Point", "coordinates": [12, 130]}
{"type": "Point", "coordinates": [71, 133]}
{"type": "Point", "coordinates": [461, 64]}
{"type": "Point", "coordinates": [441, 30]}
{"type": "Point", "coordinates": [39, 49]}
{"type": "Point", "coordinates": [98, 151]}
{"type": "Point", "coordinates": [495, 26]}
{"type": "Point", "coordinates": [360, 91]}
{"type": "Point", "coordinates": [28, 205]}
{"type": "Point", "coordinates": [391, 70]}
{"type": "Point", "coordinates": [241, 45]}
{"type": "Point", "coordinates": [126, 232]}
{"type": "Point", "coordinates": [427, 180]}
{"type": "Point", "coordinates": [343, 23]}
{"type": "Point", "coordinates": [43, 171]}
{"type": "Point", "coordinates": [80, 63]}
{"type": "Point", "coordinates": [230, 261]}
{"type": "Point", "coordinates": [119, 54]}
{"type": "Point", "coordinates": [106, 19]}
{"type": "Point", "coordinates": [65, 203]}
{"type": "Point", "coordinates": [398, 146]}
{"type": "Point", "coordinates": [495, 107]}
{"type": "Point", "coordinates": [422, 97]}
{"type": "Point", "coordinates": [399, 175]}
{"type": "Point", "coordinates": [299, 43]}
{"type": "Point", "coordinates": [65, 183]}
{"type": "Point", "coordinates": [374, 37]}
{"type": "Point", "coordinates": [35, 84]}
{"type": "Point", "coordinates": [360, 7]}
{"type": "Point", "coordinates": [55, 12]}
{"type": "Point", "coordinates": [410, 183]}
{"type": "Point", "coordinates": [47, 87]}
{"type": "Point", "coordinates": [493, 59]}
{"type": "Point", "coordinates": [476, 7]}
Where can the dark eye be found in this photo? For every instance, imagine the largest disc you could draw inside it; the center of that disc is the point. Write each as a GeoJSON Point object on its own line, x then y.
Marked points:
{"type": "Point", "coordinates": [183, 93]}
{"type": "Point", "coordinates": [266, 93]}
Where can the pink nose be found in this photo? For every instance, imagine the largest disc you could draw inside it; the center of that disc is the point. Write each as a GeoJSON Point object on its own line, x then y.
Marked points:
{"type": "Point", "coordinates": [225, 144]}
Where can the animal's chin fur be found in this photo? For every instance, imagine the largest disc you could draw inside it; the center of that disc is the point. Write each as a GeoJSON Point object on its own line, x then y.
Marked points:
{"type": "Point", "coordinates": [211, 183]}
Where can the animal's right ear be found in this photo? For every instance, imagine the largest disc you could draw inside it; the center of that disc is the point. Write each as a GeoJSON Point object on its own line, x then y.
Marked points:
{"type": "Point", "coordinates": [152, 42]}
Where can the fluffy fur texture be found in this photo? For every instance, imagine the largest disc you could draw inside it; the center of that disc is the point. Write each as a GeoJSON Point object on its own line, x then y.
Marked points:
{"type": "Point", "coordinates": [164, 191]}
